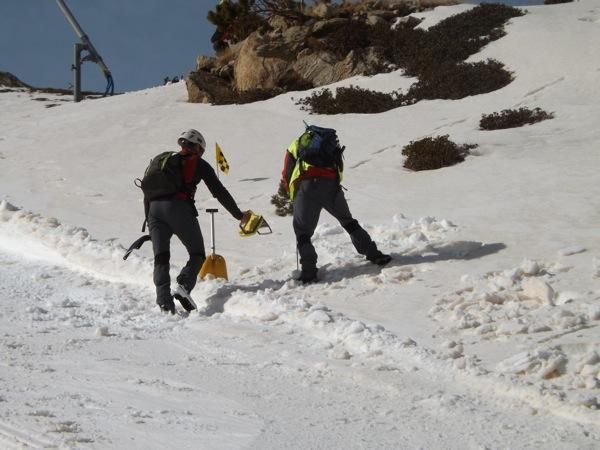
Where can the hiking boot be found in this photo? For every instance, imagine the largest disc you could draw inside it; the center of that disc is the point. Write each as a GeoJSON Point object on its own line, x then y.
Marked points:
{"type": "Point", "coordinates": [184, 297]}
{"type": "Point", "coordinates": [307, 276]}
{"type": "Point", "coordinates": [167, 306]}
{"type": "Point", "coordinates": [380, 259]}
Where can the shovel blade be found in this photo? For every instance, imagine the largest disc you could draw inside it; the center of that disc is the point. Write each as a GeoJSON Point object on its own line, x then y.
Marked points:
{"type": "Point", "coordinates": [215, 266]}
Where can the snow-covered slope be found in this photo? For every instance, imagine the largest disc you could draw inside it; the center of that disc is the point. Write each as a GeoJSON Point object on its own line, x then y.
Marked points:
{"type": "Point", "coordinates": [483, 331]}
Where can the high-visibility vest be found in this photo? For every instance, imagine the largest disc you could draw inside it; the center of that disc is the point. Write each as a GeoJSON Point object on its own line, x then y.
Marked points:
{"type": "Point", "coordinates": [300, 168]}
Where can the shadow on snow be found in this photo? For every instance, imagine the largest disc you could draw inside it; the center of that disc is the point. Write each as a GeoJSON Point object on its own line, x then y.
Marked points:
{"type": "Point", "coordinates": [458, 250]}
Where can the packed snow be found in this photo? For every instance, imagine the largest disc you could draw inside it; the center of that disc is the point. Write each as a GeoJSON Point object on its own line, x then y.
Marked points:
{"type": "Point", "coordinates": [483, 332]}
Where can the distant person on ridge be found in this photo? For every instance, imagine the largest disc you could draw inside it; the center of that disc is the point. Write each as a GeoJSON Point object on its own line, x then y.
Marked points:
{"type": "Point", "coordinates": [175, 214]}
{"type": "Point", "coordinates": [312, 172]}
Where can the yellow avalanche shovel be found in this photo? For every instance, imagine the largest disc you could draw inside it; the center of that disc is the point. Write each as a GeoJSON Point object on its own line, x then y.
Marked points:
{"type": "Point", "coordinates": [214, 264]}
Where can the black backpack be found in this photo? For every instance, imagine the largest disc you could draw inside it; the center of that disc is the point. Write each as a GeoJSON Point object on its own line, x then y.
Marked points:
{"type": "Point", "coordinates": [163, 176]}
{"type": "Point", "coordinates": [320, 147]}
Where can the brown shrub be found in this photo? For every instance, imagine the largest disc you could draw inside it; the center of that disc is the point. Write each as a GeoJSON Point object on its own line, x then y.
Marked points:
{"type": "Point", "coordinates": [512, 118]}
{"type": "Point", "coordinates": [281, 200]}
{"type": "Point", "coordinates": [450, 41]}
{"type": "Point", "coordinates": [352, 35]}
{"type": "Point", "coordinates": [320, 102]}
{"type": "Point", "coordinates": [455, 81]}
{"type": "Point", "coordinates": [434, 153]}
{"type": "Point", "coordinates": [352, 100]}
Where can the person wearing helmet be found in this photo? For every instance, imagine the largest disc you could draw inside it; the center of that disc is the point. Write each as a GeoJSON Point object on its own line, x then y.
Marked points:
{"type": "Point", "coordinates": [177, 215]}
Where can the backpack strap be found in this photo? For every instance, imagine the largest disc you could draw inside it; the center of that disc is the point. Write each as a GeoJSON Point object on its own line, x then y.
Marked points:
{"type": "Point", "coordinates": [146, 212]}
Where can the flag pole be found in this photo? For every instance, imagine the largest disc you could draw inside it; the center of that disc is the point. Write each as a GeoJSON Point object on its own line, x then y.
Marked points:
{"type": "Point", "coordinates": [217, 159]}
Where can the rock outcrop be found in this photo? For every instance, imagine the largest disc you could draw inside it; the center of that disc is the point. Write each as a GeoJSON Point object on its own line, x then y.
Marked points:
{"type": "Point", "coordinates": [7, 79]}
{"type": "Point", "coordinates": [297, 54]}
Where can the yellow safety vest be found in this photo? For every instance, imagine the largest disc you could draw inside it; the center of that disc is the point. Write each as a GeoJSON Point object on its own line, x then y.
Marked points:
{"type": "Point", "coordinates": [300, 167]}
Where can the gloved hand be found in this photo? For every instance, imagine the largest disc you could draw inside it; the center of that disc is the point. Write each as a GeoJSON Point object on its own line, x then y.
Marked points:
{"type": "Point", "coordinates": [246, 216]}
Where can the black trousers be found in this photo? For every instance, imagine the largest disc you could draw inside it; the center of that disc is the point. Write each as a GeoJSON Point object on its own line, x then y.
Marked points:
{"type": "Point", "coordinates": [312, 196]}
{"type": "Point", "coordinates": [165, 219]}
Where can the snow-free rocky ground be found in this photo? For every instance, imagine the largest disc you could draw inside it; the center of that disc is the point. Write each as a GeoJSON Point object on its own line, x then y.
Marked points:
{"type": "Point", "coordinates": [482, 333]}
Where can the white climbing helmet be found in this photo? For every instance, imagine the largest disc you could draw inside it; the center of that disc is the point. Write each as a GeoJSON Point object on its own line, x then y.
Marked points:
{"type": "Point", "coordinates": [193, 136]}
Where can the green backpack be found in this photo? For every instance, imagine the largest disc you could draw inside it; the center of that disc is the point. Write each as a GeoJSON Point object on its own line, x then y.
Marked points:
{"type": "Point", "coordinates": [163, 176]}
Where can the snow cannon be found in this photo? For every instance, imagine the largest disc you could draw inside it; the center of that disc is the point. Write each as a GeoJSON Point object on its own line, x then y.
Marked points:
{"type": "Point", "coordinates": [92, 55]}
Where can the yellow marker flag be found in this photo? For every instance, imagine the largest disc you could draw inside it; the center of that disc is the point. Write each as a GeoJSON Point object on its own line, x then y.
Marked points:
{"type": "Point", "coordinates": [221, 161]}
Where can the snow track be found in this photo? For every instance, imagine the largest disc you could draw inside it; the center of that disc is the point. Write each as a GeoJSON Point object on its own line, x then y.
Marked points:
{"type": "Point", "coordinates": [79, 307]}
{"type": "Point", "coordinates": [75, 376]}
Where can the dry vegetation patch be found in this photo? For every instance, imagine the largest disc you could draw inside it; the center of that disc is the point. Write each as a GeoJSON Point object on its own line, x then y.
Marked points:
{"type": "Point", "coordinates": [434, 153]}
{"type": "Point", "coordinates": [513, 118]}
{"type": "Point", "coordinates": [352, 100]}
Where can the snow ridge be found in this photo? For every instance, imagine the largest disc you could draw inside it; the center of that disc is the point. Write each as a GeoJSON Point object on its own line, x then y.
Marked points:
{"type": "Point", "coordinates": [30, 235]}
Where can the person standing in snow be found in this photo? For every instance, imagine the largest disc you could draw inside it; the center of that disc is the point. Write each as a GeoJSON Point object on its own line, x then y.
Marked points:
{"type": "Point", "coordinates": [177, 215]}
{"type": "Point", "coordinates": [312, 188]}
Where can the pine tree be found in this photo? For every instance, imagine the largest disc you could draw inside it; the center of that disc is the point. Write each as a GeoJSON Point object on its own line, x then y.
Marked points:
{"type": "Point", "coordinates": [235, 20]}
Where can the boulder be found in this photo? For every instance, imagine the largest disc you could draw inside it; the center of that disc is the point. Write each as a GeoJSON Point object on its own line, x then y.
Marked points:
{"type": "Point", "coordinates": [322, 27]}
{"type": "Point", "coordinates": [225, 72]}
{"type": "Point", "coordinates": [322, 10]}
{"type": "Point", "coordinates": [316, 67]}
{"type": "Point", "coordinates": [283, 45]}
{"type": "Point", "coordinates": [396, 4]}
{"type": "Point", "coordinates": [278, 23]}
{"type": "Point", "coordinates": [228, 55]}
{"type": "Point", "coordinates": [384, 14]}
{"type": "Point", "coordinates": [204, 87]}
{"type": "Point", "coordinates": [206, 63]}
{"type": "Point", "coordinates": [252, 71]}
{"type": "Point", "coordinates": [9, 80]}
{"type": "Point", "coordinates": [321, 68]}
{"type": "Point", "coordinates": [373, 19]}
{"type": "Point", "coordinates": [364, 7]}
{"type": "Point", "coordinates": [357, 62]}
{"type": "Point", "coordinates": [295, 37]}
{"type": "Point", "coordinates": [275, 49]}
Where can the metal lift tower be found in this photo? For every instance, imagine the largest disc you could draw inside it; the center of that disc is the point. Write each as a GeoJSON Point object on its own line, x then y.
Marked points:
{"type": "Point", "coordinates": [93, 55]}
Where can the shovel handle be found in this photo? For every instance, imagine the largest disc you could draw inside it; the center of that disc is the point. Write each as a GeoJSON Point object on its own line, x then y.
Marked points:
{"type": "Point", "coordinates": [212, 212]}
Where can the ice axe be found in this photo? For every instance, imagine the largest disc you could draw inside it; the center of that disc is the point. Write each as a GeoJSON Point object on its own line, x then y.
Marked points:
{"type": "Point", "coordinates": [214, 264]}
{"type": "Point", "coordinates": [136, 245]}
